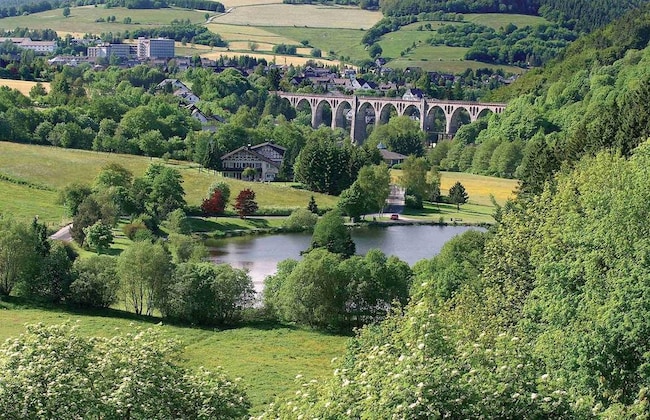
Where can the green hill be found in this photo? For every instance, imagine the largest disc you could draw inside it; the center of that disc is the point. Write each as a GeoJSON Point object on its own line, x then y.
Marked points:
{"type": "Point", "coordinates": [52, 168]}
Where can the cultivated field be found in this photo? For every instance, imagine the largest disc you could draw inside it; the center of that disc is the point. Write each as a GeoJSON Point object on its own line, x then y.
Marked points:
{"type": "Point", "coordinates": [82, 19]}
{"type": "Point", "coordinates": [267, 358]}
{"type": "Point", "coordinates": [300, 16]}
{"type": "Point", "coordinates": [22, 86]}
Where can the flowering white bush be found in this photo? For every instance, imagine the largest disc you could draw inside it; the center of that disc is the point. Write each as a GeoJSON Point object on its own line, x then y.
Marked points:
{"type": "Point", "coordinates": [54, 373]}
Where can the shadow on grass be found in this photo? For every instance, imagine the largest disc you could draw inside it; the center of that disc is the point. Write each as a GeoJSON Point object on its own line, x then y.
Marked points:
{"type": "Point", "coordinates": [258, 223]}
{"type": "Point", "coordinates": [260, 323]}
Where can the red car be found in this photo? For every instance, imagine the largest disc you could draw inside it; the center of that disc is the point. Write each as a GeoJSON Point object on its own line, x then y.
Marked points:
{"type": "Point", "coordinates": [394, 217]}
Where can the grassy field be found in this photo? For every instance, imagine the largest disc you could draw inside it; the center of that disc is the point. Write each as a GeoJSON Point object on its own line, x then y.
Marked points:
{"type": "Point", "coordinates": [25, 203]}
{"type": "Point", "coordinates": [311, 16]}
{"type": "Point", "coordinates": [444, 59]}
{"type": "Point", "coordinates": [56, 167]}
{"type": "Point", "coordinates": [82, 19]}
{"type": "Point", "coordinates": [479, 208]}
{"type": "Point", "coordinates": [497, 20]}
{"type": "Point", "coordinates": [479, 187]}
{"type": "Point", "coordinates": [344, 42]}
{"type": "Point", "coordinates": [22, 86]}
{"type": "Point", "coordinates": [266, 357]}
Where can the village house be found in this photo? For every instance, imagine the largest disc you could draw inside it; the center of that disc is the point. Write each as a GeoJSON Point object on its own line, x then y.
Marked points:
{"type": "Point", "coordinates": [413, 95]}
{"type": "Point", "coordinates": [362, 84]}
{"type": "Point", "coordinates": [265, 159]}
{"type": "Point", "coordinates": [391, 158]}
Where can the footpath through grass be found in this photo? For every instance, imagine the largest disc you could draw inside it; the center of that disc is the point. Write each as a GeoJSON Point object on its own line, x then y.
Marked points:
{"type": "Point", "coordinates": [266, 356]}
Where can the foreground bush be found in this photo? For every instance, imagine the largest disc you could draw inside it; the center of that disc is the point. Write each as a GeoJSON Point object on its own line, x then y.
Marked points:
{"type": "Point", "coordinates": [53, 372]}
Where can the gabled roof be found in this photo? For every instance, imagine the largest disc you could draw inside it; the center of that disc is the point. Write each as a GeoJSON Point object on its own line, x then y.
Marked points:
{"type": "Point", "coordinates": [387, 154]}
{"type": "Point", "coordinates": [252, 152]}
{"type": "Point", "coordinates": [279, 149]}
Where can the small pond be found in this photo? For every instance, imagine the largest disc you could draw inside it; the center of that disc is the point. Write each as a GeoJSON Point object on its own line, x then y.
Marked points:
{"type": "Point", "coordinates": [261, 254]}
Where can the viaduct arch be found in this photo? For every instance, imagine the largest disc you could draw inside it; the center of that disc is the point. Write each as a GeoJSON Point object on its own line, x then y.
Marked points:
{"type": "Point", "coordinates": [382, 107]}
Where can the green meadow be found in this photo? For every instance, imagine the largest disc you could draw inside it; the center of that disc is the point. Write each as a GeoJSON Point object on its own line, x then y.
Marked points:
{"type": "Point", "coordinates": [267, 357]}
{"type": "Point", "coordinates": [255, 27]}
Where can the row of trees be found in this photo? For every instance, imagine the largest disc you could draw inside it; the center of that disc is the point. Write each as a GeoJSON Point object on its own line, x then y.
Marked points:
{"type": "Point", "coordinates": [170, 277]}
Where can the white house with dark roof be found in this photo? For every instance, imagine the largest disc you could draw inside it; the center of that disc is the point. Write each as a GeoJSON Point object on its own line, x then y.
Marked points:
{"type": "Point", "coordinates": [413, 95]}
{"type": "Point", "coordinates": [265, 158]}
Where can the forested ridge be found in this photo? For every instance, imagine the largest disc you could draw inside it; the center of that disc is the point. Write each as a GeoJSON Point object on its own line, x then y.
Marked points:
{"type": "Point", "coordinates": [583, 15]}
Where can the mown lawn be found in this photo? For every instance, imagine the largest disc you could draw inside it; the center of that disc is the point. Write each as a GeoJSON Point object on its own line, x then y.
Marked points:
{"type": "Point", "coordinates": [267, 357]}
{"type": "Point", "coordinates": [449, 214]}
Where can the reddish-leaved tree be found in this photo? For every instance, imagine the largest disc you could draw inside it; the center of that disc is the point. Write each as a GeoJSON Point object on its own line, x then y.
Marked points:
{"type": "Point", "coordinates": [213, 205]}
{"type": "Point", "coordinates": [245, 203]}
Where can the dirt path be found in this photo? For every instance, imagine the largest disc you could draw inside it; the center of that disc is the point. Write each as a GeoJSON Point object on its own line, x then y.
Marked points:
{"type": "Point", "coordinates": [63, 234]}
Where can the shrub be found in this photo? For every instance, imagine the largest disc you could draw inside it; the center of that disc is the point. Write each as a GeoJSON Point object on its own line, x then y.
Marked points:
{"type": "Point", "coordinates": [300, 219]}
{"type": "Point", "coordinates": [96, 284]}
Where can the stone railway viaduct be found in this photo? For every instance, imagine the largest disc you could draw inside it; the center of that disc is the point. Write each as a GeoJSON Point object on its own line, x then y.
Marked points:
{"type": "Point", "coordinates": [367, 109]}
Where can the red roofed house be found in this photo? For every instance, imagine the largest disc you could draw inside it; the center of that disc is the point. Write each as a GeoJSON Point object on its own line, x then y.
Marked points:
{"type": "Point", "coordinates": [265, 158]}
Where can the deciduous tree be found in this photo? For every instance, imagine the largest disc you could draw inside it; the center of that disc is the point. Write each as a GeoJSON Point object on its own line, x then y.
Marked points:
{"type": "Point", "coordinates": [245, 203]}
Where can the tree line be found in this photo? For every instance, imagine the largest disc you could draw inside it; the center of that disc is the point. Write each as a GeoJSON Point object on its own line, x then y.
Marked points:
{"type": "Point", "coordinates": [580, 15]}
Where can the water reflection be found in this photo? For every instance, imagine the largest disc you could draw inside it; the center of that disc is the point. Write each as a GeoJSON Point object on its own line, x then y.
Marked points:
{"type": "Point", "coordinates": [261, 254]}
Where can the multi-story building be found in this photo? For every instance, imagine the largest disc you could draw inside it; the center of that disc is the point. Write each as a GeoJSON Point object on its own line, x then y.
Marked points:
{"type": "Point", "coordinates": [106, 50]}
{"type": "Point", "coordinates": [155, 48]}
{"type": "Point", "coordinates": [265, 159]}
{"type": "Point", "coordinates": [39, 47]}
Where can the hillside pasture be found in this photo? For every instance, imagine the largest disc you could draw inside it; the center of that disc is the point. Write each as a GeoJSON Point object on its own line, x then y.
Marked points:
{"type": "Point", "coordinates": [82, 19]}
{"type": "Point", "coordinates": [57, 167]}
{"type": "Point", "coordinates": [445, 59]}
{"type": "Point", "coordinates": [271, 58]}
{"type": "Point", "coordinates": [266, 358]}
{"type": "Point", "coordinates": [499, 20]}
{"type": "Point", "coordinates": [300, 16]}
{"type": "Point", "coordinates": [239, 3]}
{"type": "Point", "coordinates": [25, 203]}
{"type": "Point", "coordinates": [244, 33]}
{"type": "Point", "coordinates": [22, 86]}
